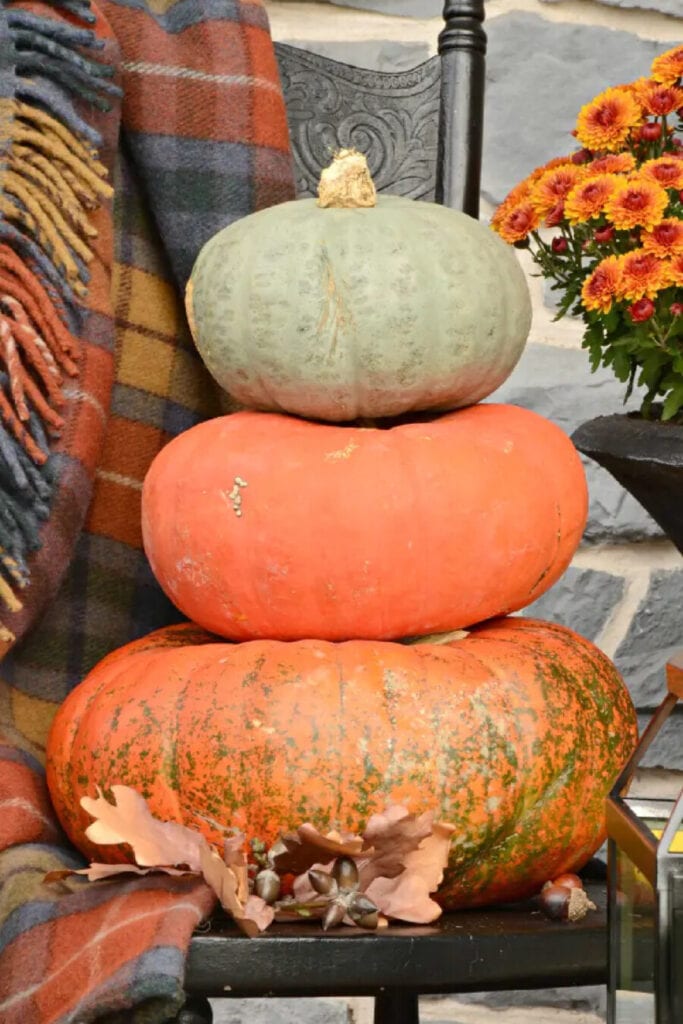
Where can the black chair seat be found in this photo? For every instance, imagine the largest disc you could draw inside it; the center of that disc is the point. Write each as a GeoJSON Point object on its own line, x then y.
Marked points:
{"type": "Point", "coordinates": [507, 947]}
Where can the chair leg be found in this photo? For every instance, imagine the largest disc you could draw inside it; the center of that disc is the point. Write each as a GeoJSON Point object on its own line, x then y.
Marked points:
{"type": "Point", "coordinates": [397, 1008]}
{"type": "Point", "coordinates": [197, 1010]}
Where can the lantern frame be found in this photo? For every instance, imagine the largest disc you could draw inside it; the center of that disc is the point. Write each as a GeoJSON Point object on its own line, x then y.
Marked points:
{"type": "Point", "coordinates": [652, 853]}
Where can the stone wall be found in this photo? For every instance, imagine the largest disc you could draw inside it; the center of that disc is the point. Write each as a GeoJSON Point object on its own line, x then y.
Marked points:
{"type": "Point", "coordinates": [625, 587]}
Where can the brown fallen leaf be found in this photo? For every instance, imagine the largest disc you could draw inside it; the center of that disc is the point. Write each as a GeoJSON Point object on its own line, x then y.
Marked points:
{"type": "Point", "coordinates": [129, 820]}
{"type": "Point", "coordinates": [389, 839]}
{"type": "Point", "coordinates": [407, 896]}
{"type": "Point", "coordinates": [233, 849]}
{"type": "Point", "coordinates": [235, 858]}
{"type": "Point", "coordinates": [439, 638]}
{"type": "Point", "coordinates": [59, 875]}
{"type": "Point", "coordinates": [403, 859]}
{"type": "Point", "coordinates": [97, 872]}
{"type": "Point", "coordinates": [296, 852]}
{"type": "Point", "coordinates": [253, 915]}
{"type": "Point", "coordinates": [257, 911]}
{"type": "Point", "coordinates": [157, 844]}
{"type": "Point", "coordinates": [400, 859]}
{"type": "Point", "coordinates": [221, 878]}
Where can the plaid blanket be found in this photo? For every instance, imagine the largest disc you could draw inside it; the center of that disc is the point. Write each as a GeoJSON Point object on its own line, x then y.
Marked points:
{"type": "Point", "coordinates": [178, 104]}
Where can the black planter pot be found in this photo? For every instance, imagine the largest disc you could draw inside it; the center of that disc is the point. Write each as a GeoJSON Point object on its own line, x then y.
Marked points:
{"type": "Point", "coordinates": [646, 457]}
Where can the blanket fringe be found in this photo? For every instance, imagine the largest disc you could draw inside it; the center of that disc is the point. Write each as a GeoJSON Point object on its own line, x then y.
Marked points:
{"type": "Point", "coordinates": [50, 178]}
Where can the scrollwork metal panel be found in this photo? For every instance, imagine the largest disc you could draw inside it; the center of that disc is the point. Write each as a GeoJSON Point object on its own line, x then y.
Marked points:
{"type": "Point", "coordinates": [392, 118]}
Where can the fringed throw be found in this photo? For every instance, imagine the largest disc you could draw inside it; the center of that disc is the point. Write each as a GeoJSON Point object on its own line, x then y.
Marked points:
{"type": "Point", "coordinates": [204, 141]}
{"type": "Point", "coordinates": [50, 182]}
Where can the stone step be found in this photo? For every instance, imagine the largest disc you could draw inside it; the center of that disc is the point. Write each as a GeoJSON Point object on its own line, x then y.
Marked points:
{"type": "Point", "coordinates": [342, 1011]}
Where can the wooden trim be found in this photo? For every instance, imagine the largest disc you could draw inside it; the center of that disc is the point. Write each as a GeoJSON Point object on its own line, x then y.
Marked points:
{"type": "Point", "coordinates": [674, 675]}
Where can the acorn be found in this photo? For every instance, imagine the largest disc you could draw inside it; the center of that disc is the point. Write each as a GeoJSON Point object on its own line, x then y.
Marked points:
{"type": "Point", "coordinates": [561, 903]}
{"type": "Point", "coordinates": [267, 885]}
{"type": "Point", "coordinates": [569, 881]}
{"type": "Point", "coordinates": [363, 912]}
{"type": "Point", "coordinates": [334, 915]}
{"type": "Point", "coordinates": [324, 884]}
{"type": "Point", "coordinates": [345, 873]}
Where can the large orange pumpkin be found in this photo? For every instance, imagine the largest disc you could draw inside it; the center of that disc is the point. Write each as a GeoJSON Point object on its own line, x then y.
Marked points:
{"type": "Point", "coordinates": [514, 734]}
{"type": "Point", "coordinates": [259, 525]}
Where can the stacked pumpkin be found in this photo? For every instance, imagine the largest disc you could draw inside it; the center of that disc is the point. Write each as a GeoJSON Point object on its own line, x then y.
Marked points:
{"type": "Point", "coordinates": [321, 546]}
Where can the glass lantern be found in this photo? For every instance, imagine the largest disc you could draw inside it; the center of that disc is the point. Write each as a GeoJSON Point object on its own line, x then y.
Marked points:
{"type": "Point", "coordinates": [646, 890]}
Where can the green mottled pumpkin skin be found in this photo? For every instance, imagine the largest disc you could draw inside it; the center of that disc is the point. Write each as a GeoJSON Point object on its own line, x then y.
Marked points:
{"type": "Point", "coordinates": [514, 734]}
{"type": "Point", "coordinates": [337, 314]}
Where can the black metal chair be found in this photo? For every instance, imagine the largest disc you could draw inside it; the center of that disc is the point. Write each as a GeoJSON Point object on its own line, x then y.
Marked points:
{"type": "Point", "coordinates": [422, 133]}
{"type": "Point", "coordinates": [421, 129]}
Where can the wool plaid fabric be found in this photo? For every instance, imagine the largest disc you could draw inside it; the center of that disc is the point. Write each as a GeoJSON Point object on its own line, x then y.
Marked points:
{"type": "Point", "coordinates": [97, 373]}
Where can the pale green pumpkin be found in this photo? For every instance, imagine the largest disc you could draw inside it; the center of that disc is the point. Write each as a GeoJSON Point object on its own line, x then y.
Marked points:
{"type": "Point", "coordinates": [358, 311]}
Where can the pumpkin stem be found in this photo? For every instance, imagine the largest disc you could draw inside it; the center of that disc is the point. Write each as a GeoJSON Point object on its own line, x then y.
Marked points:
{"type": "Point", "coordinates": [440, 638]}
{"type": "Point", "coordinates": [347, 183]}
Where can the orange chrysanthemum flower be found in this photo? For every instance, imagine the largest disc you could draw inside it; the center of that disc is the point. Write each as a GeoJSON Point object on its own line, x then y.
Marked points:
{"type": "Point", "coordinates": [667, 171]}
{"type": "Point", "coordinates": [521, 192]}
{"type": "Point", "coordinates": [552, 188]}
{"type": "Point", "coordinates": [602, 286]}
{"type": "Point", "coordinates": [642, 275]}
{"type": "Point", "coordinates": [499, 215]}
{"type": "Point", "coordinates": [588, 198]}
{"type": "Point", "coordinates": [517, 222]}
{"type": "Point", "coordinates": [501, 212]}
{"type": "Point", "coordinates": [637, 203]}
{"type": "Point", "coordinates": [657, 99]}
{"type": "Point", "coordinates": [605, 123]}
{"type": "Point", "coordinates": [557, 161]}
{"type": "Point", "coordinates": [516, 195]}
{"type": "Point", "coordinates": [666, 239]}
{"type": "Point", "coordinates": [612, 163]}
{"type": "Point", "coordinates": [675, 269]}
{"type": "Point", "coordinates": [668, 67]}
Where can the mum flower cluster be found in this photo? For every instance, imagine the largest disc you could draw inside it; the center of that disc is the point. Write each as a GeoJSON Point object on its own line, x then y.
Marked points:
{"type": "Point", "coordinates": [605, 224]}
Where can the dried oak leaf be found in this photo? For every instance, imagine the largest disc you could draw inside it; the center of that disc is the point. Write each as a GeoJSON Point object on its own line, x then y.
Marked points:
{"type": "Point", "coordinates": [129, 820]}
{"type": "Point", "coordinates": [233, 850]}
{"type": "Point", "coordinates": [389, 839]}
{"type": "Point", "coordinates": [406, 896]}
{"type": "Point", "coordinates": [402, 861]}
{"type": "Point", "coordinates": [297, 852]}
{"type": "Point", "coordinates": [97, 872]}
{"type": "Point", "coordinates": [235, 859]}
{"type": "Point", "coordinates": [157, 844]}
{"type": "Point", "coordinates": [438, 639]}
{"type": "Point", "coordinates": [252, 914]}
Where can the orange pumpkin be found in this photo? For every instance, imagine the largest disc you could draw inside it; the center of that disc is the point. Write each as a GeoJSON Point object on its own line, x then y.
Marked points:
{"type": "Point", "coordinates": [514, 734]}
{"type": "Point", "coordinates": [259, 525]}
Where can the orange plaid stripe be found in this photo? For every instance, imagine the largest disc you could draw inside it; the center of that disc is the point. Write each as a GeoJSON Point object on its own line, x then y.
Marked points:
{"type": "Point", "coordinates": [205, 142]}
